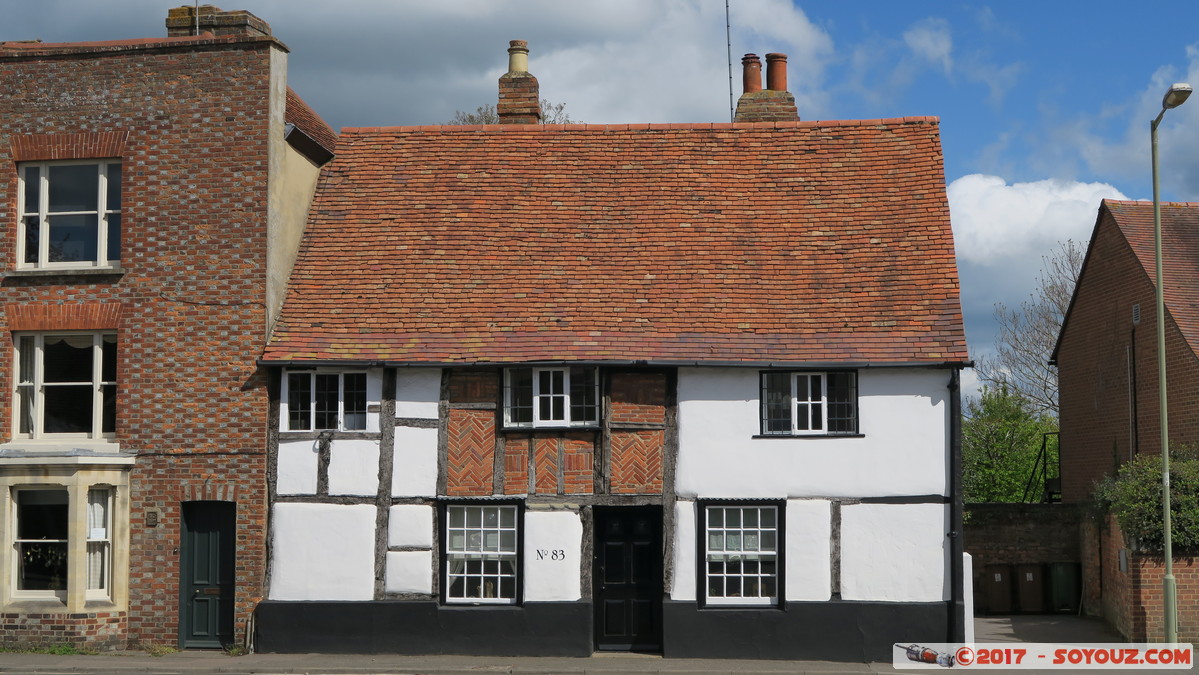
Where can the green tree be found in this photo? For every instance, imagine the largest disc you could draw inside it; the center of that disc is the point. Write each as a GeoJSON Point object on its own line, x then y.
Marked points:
{"type": "Point", "coordinates": [551, 113]}
{"type": "Point", "coordinates": [1002, 434]}
{"type": "Point", "coordinates": [1134, 496]}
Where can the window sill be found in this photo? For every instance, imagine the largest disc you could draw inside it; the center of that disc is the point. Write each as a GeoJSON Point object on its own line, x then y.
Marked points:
{"type": "Point", "coordinates": [816, 436]}
{"type": "Point", "coordinates": [63, 452]}
{"type": "Point", "coordinates": [63, 272]}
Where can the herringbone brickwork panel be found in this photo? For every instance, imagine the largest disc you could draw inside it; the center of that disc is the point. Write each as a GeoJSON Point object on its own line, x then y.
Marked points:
{"type": "Point", "coordinates": [638, 398]}
{"type": "Point", "coordinates": [545, 465]}
{"type": "Point", "coordinates": [578, 464]}
{"type": "Point", "coordinates": [637, 461]}
{"type": "Point", "coordinates": [471, 452]}
{"type": "Point", "coordinates": [516, 465]}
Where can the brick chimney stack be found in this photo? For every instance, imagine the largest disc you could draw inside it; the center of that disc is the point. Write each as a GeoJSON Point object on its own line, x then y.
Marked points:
{"type": "Point", "coordinates": [520, 97]}
{"type": "Point", "coordinates": [181, 21]}
{"type": "Point", "coordinates": [775, 103]}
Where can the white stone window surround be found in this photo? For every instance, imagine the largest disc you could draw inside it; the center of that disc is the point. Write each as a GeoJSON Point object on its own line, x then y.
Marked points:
{"type": "Point", "coordinates": [809, 403]}
{"type": "Point", "coordinates": [331, 399]}
{"type": "Point", "coordinates": [97, 536]}
{"type": "Point", "coordinates": [69, 214]}
{"type": "Point", "coordinates": [59, 372]}
{"type": "Point", "coordinates": [742, 553]}
{"type": "Point", "coordinates": [551, 397]}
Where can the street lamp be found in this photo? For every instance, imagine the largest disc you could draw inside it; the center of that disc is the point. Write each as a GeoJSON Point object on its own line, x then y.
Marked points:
{"type": "Point", "coordinates": [1176, 96]}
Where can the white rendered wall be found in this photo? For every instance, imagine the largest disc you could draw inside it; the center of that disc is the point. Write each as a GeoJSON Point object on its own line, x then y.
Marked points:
{"type": "Point", "coordinates": [296, 467]}
{"type": "Point", "coordinates": [409, 572]}
{"type": "Point", "coordinates": [808, 557]}
{"type": "Point", "coordinates": [322, 552]}
{"type": "Point", "coordinates": [354, 467]}
{"type": "Point", "coordinates": [903, 449]}
{"type": "Point", "coordinates": [683, 580]}
{"type": "Point", "coordinates": [410, 525]}
{"type": "Point", "coordinates": [414, 463]}
{"type": "Point", "coordinates": [553, 560]}
{"type": "Point", "coordinates": [418, 391]}
{"type": "Point", "coordinates": [894, 552]}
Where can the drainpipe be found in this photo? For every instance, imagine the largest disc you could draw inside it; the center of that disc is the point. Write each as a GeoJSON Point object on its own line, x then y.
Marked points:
{"type": "Point", "coordinates": [957, 605]}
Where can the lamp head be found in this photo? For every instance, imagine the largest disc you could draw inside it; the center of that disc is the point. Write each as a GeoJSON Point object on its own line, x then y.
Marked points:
{"type": "Point", "coordinates": [1176, 96]}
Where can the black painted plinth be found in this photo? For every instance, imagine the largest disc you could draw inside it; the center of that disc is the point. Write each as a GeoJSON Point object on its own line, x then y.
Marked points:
{"type": "Point", "coordinates": [419, 627]}
{"type": "Point", "coordinates": [823, 631]}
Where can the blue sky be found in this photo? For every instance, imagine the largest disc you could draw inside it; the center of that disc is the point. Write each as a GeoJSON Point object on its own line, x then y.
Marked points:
{"type": "Point", "coordinates": [1044, 106]}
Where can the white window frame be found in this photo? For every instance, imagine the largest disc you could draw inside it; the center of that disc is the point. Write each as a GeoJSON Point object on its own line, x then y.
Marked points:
{"type": "Point", "coordinates": [286, 407]}
{"type": "Point", "coordinates": [41, 212]}
{"type": "Point", "coordinates": [98, 547]}
{"type": "Point", "coordinates": [542, 397]}
{"type": "Point", "coordinates": [745, 561]}
{"type": "Point", "coordinates": [36, 386]}
{"type": "Point", "coordinates": [484, 556]}
{"type": "Point", "coordinates": [801, 407]}
{"type": "Point", "coordinates": [17, 565]}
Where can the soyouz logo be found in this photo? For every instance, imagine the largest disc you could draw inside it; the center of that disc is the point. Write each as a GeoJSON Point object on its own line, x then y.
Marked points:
{"type": "Point", "coordinates": [1043, 656]}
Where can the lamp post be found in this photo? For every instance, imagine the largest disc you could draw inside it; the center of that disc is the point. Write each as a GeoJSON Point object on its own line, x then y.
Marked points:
{"type": "Point", "coordinates": [1175, 97]}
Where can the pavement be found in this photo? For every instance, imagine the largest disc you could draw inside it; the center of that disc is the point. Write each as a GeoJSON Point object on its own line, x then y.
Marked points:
{"type": "Point", "coordinates": [1063, 629]}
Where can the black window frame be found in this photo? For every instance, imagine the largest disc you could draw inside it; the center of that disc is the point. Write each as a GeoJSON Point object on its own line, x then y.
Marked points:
{"type": "Point", "coordinates": [701, 552]}
{"type": "Point", "coordinates": [770, 398]}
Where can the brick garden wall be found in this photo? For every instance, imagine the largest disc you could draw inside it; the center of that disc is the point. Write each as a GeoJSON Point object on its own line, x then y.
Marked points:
{"type": "Point", "coordinates": [1019, 534]}
{"type": "Point", "coordinates": [191, 403]}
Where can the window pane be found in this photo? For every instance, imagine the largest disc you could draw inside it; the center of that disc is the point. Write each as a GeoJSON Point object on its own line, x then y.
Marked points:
{"type": "Point", "coordinates": [25, 355]}
{"type": "Point", "coordinates": [355, 401]}
{"type": "Point", "coordinates": [842, 396]}
{"type": "Point", "coordinates": [325, 414]}
{"type": "Point", "coordinates": [32, 239]}
{"type": "Point", "coordinates": [108, 410]}
{"type": "Point", "coordinates": [584, 407]}
{"type": "Point", "coordinates": [67, 409]}
{"type": "Point", "coordinates": [67, 358]}
{"type": "Point", "coordinates": [42, 545]}
{"type": "Point", "coordinates": [32, 180]}
{"type": "Point", "coordinates": [519, 396]}
{"type": "Point", "coordinates": [42, 514]}
{"type": "Point", "coordinates": [98, 539]}
{"type": "Point", "coordinates": [25, 409]}
{"type": "Point", "coordinates": [776, 409]}
{"type": "Point", "coordinates": [299, 398]}
{"type": "Point", "coordinates": [74, 187]}
{"type": "Point", "coordinates": [113, 247]}
{"type": "Point", "coordinates": [108, 356]}
{"type": "Point", "coordinates": [113, 197]}
{"type": "Point", "coordinates": [73, 237]}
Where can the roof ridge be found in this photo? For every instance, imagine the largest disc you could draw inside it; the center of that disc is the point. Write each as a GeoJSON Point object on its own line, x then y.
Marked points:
{"type": "Point", "coordinates": [650, 126]}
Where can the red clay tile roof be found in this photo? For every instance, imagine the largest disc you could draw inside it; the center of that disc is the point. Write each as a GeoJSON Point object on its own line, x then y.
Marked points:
{"type": "Point", "coordinates": [303, 117]}
{"type": "Point", "coordinates": [784, 242]}
{"type": "Point", "coordinates": [1180, 254]}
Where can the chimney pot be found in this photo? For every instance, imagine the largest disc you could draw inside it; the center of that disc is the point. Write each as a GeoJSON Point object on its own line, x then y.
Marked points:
{"type": "Point", "coordinates": [776, 72]}
{"type": "Point", "coordinates": [751, 73]}
{"type": "Point", "coordinates": [518, 56]}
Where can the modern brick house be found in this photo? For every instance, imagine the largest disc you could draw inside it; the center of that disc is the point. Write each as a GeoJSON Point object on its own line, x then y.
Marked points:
{"type": "Point", "coordinates": [154, 192]}
{"type": "Point", "coordinates": [689, 388]}
{"type": "Point", "coordinates": [1107, 372]}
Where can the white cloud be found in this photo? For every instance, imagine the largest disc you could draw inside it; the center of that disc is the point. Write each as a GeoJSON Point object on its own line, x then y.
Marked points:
{"type": "Point", "coordinates": [930, 39]}
{"type": "Point", "coordinates": [995, 224]}
{"type": "Point", "coordinates": [1003, 231]}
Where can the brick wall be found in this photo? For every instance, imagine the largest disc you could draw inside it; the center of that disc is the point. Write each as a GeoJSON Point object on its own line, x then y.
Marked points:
{"type": "Point", "coordinates": [1107, 370]}
{"type": "Point", "coordinates": [1019, 534]}
{"type": "Point", "coordinates": [632, 438]}
{"type": "Point", "coordinates": [191, 404]}
{"type": "Point", "coordinates": [91, 630]}
{"type": "Point", "coordinates": [1125, 586]}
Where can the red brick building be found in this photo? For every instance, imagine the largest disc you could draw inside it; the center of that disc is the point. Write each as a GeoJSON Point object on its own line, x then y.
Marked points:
{"type": "Point", "coordinates": [154, 191]}
{"type": "Point", "coordinates": [1107, 371]}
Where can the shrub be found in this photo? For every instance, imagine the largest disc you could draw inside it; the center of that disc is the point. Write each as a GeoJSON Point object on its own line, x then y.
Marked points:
{"type": "Point", "coordinates": [1134, 497]}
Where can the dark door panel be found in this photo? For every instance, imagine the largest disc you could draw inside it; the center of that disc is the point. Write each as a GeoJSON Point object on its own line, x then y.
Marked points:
{"type": "Point", "coordinates": [206, 566]}
{"type": "Point", "coordinates": [628, 578]}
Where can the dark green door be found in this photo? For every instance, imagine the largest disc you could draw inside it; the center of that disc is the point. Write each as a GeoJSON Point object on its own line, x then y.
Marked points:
{"type": "Point", "coordinates": [628, 578]}
{"type": "Point", "coordinates": [206, 586]}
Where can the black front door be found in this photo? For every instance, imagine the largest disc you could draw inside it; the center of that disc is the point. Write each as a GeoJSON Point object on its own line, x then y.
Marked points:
{"type": "Point", "coordinates": [628, 578]}
{"type": "Point", "coordinates": [206, 585]}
